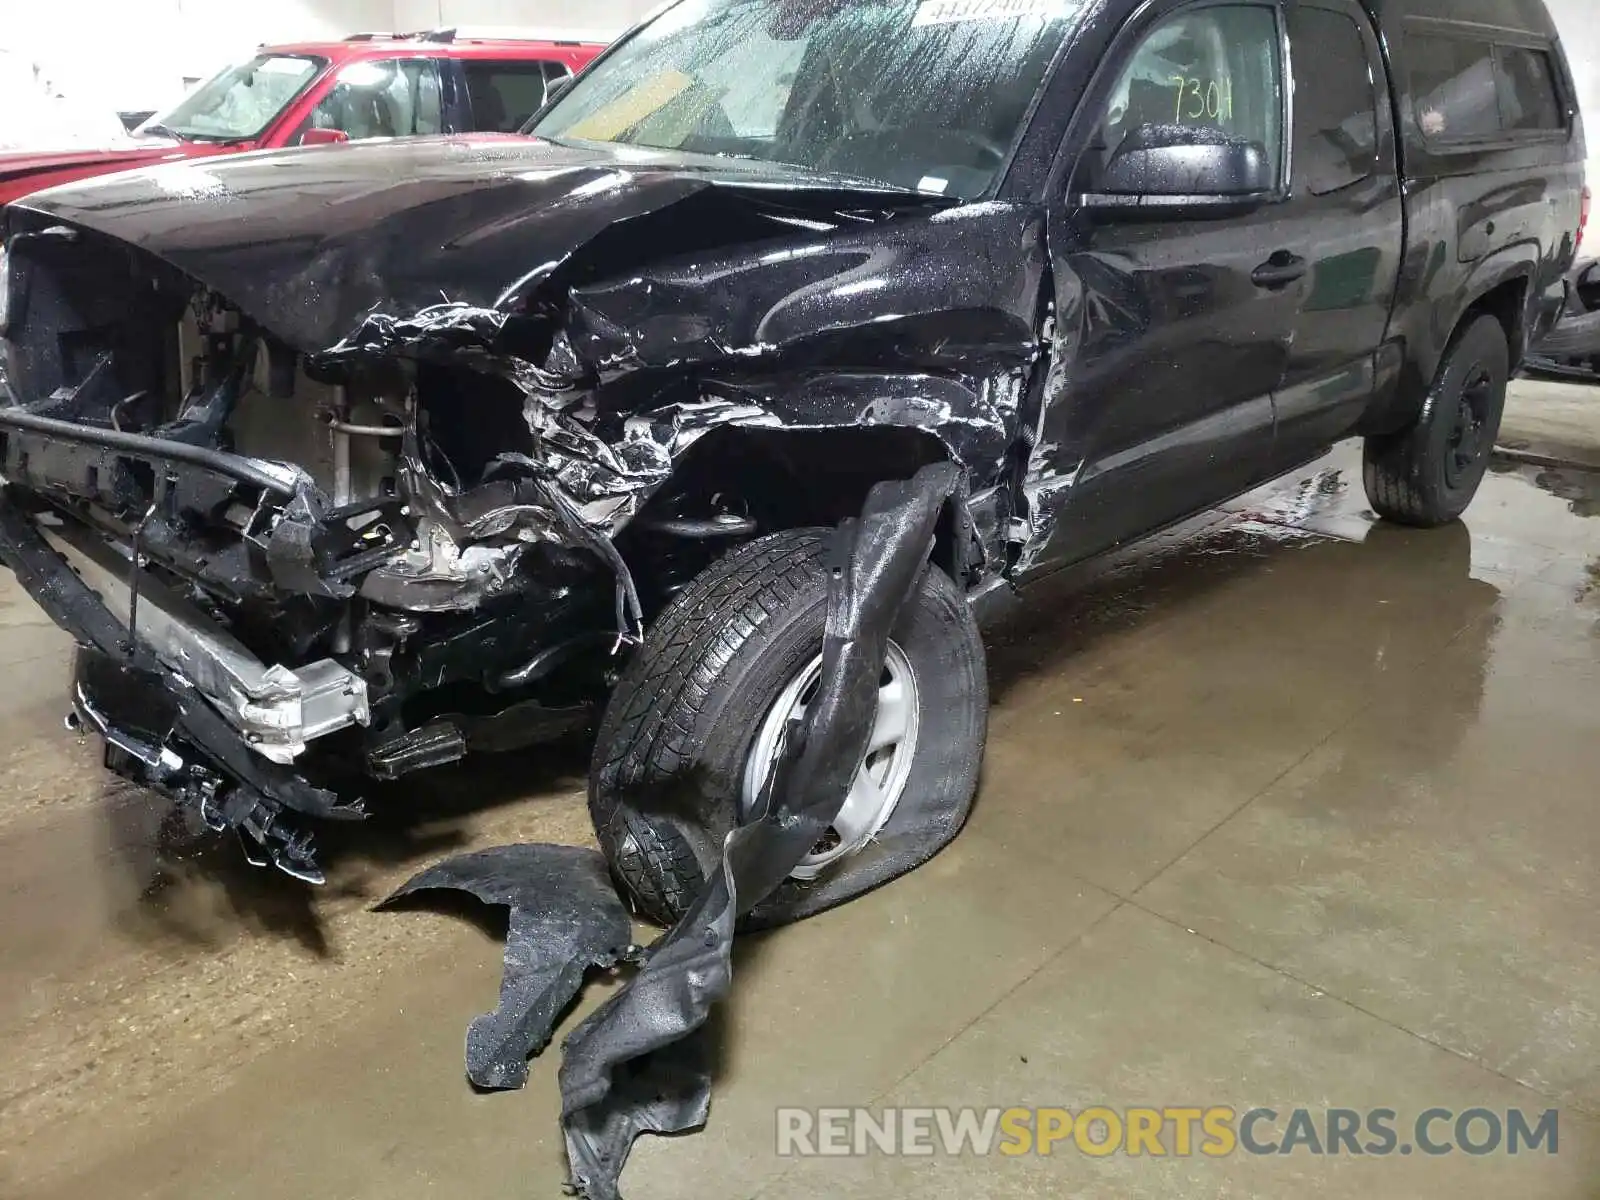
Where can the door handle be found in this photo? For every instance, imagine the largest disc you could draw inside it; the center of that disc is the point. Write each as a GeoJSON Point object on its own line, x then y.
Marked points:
{"type": "Point", "coordinates": [1280, 270]}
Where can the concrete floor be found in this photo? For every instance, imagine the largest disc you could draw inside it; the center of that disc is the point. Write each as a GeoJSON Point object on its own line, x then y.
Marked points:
{"type": "Point", "coordinates": [1285, 809]}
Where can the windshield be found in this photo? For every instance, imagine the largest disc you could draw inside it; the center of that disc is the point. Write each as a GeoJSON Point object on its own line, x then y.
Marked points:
{"type": "Point", "coordinates": [241, 102]}
{"type": "Point", "coordinates": [921, 94]}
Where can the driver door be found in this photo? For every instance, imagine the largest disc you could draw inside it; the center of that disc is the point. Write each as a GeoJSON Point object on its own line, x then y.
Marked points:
{"type": "Point", "coordinates": [1174, 315]}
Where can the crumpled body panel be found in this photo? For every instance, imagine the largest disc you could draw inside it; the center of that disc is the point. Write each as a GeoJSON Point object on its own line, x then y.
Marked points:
{"type": "Point", "coordinates": [311, 242]}
{"type": "Point", "coordinates": [637, 299]}
{"type": "Point", "coordinates": [578, 369]}
{"type": "Point", "coordinates": [565, 919]}
{"type": "Point", "coordinates": [651, 1030]}
{"type": "Point", "coordinates": [640, 1062]}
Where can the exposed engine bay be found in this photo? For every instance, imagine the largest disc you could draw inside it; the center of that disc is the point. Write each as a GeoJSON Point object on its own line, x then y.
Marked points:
{"type": "Point", "coordinates": [335, 601]}
{"type": "Point", "coordinates": [372, 543]}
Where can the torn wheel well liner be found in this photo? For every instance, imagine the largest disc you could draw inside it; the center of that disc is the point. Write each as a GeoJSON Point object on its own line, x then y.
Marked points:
{"type": "Point", "coordinates": [793, 478]}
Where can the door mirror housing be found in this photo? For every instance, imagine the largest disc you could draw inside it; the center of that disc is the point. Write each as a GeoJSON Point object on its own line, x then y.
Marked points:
{"type": "Point", "coordinates": [323, 137]}
{"type": "Point", "coordinates": [1184, 166]}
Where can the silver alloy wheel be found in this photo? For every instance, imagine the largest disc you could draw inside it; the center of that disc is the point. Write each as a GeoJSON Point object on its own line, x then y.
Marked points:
{"type": "Point", "coordinates": [881, 779]}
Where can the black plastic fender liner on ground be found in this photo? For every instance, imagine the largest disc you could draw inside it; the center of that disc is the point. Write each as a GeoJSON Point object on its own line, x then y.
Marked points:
{"type": "Point", "coordinates": [637, 1062]}
{"type": "Point", "coordinates": [565, 918]}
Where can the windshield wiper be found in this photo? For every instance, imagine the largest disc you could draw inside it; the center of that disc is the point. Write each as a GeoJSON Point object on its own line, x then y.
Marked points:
{"type": "Point", "coordinates": [162, 131]}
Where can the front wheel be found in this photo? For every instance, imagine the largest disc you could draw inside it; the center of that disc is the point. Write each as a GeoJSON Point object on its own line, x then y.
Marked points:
{"type": "Point", "coordinates": [694, 725]}
{"type": "Point", "coordinates": [1427, 475]}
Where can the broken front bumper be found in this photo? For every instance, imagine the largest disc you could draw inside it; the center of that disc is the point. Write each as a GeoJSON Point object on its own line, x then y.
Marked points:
{"type": "Point", "coordinates": [161, 730]}
{"type": "Point", "coordinates": [276, 709]}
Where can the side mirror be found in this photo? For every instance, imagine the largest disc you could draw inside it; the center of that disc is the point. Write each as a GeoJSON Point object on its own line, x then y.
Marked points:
{"type": "Point", "coordinates": [323, 137]}
{"type": "Point", "coordinates": [1183, 166]}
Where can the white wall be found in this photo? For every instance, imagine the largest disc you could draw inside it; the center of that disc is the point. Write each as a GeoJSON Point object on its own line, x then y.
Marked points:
{"type": "Point", "coordinates": [610, 15]}
{"type": "Point", "coordinates": [135, 54]}
{"type": "Point", "coordinates": [1579, 21]}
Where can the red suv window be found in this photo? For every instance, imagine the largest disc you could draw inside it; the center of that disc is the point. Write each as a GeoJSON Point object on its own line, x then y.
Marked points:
{"type": "Point", "coordinates": [504, 94]}
{"type": "Point", "coordinates": [383, 97]}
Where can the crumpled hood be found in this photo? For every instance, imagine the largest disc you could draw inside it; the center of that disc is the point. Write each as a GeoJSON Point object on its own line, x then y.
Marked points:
{"type": "Point", "coordinates": [311, 242]}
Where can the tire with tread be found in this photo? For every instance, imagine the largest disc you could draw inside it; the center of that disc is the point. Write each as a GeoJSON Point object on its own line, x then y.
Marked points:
{"type": "Point", "coordinates": [665, 782]}
{"type": "Point", "coordinates": [1408, 475]}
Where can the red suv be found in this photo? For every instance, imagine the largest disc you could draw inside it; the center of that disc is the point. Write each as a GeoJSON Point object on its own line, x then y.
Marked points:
{"type": "Point", "coordinates": [367, 86]}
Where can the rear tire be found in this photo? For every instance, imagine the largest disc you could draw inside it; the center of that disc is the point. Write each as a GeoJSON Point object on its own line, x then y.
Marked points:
{"type": "Point", "coordinates": [1427, 475]}
{"type": "Point", "coordinates": [668, 782]}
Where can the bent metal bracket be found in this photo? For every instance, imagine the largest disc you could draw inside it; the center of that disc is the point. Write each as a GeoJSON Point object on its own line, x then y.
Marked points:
{"type": "Point", "coordinates": [639, 1063]}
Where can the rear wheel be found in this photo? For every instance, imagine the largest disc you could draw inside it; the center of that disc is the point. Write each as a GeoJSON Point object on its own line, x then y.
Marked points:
{"type": "Point", "coordinates": [1427, 475]}
{"type": "Point", "coordinates": [693, 728]}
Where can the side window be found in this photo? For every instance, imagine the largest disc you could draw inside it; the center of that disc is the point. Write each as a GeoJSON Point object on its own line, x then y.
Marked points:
{"type": "Point", "coordinates": [505, 94]}
{"type": "Point", "coordinates": [393, 97]}
{"type": "Point", "coordinates": [1528, 98]}
{"type": "Point", "coordinates": [1335, 101]}
{"type": "Point", "coordinates": [1216, 68]}
{"type": "Point", "coordinates": [1453, 83]}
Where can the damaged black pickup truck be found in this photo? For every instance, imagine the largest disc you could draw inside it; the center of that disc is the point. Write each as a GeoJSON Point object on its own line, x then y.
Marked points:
{"type": "Point", "coordinates": [344, 463]}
